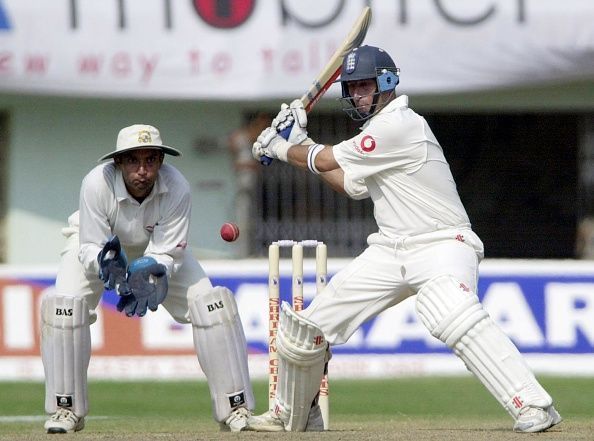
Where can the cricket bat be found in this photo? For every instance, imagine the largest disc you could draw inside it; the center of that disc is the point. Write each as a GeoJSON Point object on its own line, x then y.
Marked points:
{"type": "Point", "coordinates": [332, 69]}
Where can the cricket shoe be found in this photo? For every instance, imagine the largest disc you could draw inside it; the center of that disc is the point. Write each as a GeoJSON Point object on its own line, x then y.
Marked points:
{"type": "Point", "coordinates": [536, 419]}
{"type": "Point", "coordinates": [64, 421]}
{"type": "Point", "coordinates": [237, 420]}
{"type": "Point", "coordinates": [269, 422]}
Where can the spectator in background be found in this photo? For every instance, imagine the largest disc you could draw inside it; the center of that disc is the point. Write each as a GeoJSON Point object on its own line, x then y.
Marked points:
{"type": "Point", "coordinates": [240, 143]}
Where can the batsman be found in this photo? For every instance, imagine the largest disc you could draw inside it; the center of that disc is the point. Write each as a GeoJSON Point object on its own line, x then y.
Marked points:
{"type": "Point", "coordinates": [424, 247]}
{"type": "Point", "coordinates": [130, 235]}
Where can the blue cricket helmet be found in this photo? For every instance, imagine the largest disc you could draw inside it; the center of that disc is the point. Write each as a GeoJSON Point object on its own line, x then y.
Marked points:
{"type": "Point", "coordinates": [363, 63]}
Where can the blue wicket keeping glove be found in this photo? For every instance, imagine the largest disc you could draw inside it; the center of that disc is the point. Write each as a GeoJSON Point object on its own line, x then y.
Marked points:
{"type": "Point", "coordinates": [146, 287]}
{"type": "Point", "coordinates": [112, 264]}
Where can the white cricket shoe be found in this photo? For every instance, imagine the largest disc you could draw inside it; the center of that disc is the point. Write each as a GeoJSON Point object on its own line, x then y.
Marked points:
{"type": "Point", "coordinates": [64, 421]}
{"type": "Point", "coordinates": [536, 419]}
{"type": "Point", "coordinates": [237, 420]}
{"type": "Point", "coordinates": [269, 422]}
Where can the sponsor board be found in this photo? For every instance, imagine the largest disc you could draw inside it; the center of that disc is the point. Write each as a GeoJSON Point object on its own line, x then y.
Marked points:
{"type": "Point", "coordinates": [546, 307]}
{"type": "Point", "coordinates": [195, 49]}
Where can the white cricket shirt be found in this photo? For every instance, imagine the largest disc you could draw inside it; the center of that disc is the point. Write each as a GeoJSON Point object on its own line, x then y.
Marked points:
{"type": "Point", "coordinates": [158, 227]}
{"type": "Point", "coordinates": [405, 171]}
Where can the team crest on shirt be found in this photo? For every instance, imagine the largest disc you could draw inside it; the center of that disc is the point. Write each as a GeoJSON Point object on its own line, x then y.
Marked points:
{"type": "Point", "coordinates": [365, 145]}
{"type": "Point", "coordinates": [144, 137]}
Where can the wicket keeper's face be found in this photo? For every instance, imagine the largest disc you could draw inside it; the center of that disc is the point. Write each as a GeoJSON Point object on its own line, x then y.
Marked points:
{"type": "Point", "coordinates": [140, 169]}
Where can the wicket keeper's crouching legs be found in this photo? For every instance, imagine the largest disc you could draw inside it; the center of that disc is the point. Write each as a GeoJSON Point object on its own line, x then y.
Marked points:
{"type": "Point", "coordinates": [68, 312]}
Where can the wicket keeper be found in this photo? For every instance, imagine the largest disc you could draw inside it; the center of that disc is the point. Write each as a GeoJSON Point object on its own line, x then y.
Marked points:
{"type": "Point", "coordinates": [130, 234]}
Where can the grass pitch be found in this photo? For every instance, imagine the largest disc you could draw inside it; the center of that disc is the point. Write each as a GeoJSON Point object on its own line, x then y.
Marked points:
{"type": "Point", "coordinates": [392, 409]}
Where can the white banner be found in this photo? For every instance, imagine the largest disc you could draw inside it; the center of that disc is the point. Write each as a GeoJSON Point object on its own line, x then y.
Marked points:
{"type": "Point", "coordinates": [248, 49]}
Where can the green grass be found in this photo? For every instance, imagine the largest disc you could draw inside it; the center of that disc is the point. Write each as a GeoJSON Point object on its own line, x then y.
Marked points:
{"type": "Point", "coordinates": [182, 408]}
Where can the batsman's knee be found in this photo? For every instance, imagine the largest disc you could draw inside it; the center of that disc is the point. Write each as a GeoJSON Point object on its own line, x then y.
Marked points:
{"type": "Point", "coordinates": [448, 308]}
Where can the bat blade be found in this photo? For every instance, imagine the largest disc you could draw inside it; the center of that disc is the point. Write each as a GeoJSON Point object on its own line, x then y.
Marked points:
{"type": "Point", "coordinates": [332, 68]}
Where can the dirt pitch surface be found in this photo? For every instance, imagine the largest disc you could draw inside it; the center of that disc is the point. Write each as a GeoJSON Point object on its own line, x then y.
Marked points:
{"type": "Point", "coordinates": [417, 409]}
{"type": "Point", "coordinates": [418, 430]}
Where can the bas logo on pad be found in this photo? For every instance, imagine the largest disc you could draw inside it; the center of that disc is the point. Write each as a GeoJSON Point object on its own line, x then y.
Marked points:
{"type": "Point", "coordinates": [214, 306]}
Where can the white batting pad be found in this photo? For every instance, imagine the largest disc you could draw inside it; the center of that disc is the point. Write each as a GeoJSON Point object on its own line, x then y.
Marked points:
{"type": "Point", "coordinates": [454, 315]}
{"type": "Point", "coordinates": [65, 351]}
{"type": "Point", "coordinates": [222, 351]}
{"type": "Point", "coordinates": [302, 351]}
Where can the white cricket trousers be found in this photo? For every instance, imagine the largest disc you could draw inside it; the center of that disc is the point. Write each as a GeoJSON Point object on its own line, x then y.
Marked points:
{"type": "Point", "coordinates": [388, 272]}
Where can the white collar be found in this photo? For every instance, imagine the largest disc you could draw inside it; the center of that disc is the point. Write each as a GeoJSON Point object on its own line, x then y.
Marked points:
{"type": "Point", "coordinates": [396, 103]}
{"type": "Point", "coordinates": [401, 101]}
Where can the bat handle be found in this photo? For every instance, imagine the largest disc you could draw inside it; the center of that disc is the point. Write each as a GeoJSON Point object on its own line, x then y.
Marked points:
{"type": "Point", "coordinates": [265, 160]}
{"type": "Point", "coordinates": [286, 132]}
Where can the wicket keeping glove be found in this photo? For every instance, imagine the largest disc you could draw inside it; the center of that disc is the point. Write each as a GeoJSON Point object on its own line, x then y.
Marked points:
{"type": "Point", "coordinates": [146, 287]}
{"type": "Point", "coordinates": [112, 264]}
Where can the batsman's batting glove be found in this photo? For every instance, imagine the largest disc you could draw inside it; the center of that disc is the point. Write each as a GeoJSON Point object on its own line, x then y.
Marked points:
{"type": "Point", "coordinates": [270, 145]}
{"type": "Point", "coordinates": [284, 118]}
{"type": "Point", "coordinates": [146, 287]}
{"type": "Point", "coordinates": [112, 263]}
{"type": "Point", "coordinates": [291, 124]}
{"type": "Point", "coordinates": [294, 128]}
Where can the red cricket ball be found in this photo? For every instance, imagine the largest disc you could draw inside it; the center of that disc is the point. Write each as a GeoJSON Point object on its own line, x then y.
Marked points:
{"type": "Point", "coordinates": [229, 231]}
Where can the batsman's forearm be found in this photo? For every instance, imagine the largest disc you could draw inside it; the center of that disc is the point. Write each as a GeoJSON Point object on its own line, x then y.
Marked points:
{"type": "Point", "coordinates": [297, 155]}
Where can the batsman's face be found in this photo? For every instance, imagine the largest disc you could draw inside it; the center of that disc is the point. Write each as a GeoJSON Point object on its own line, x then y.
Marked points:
{"type": "Point", "coordinates": [362, 92]}
{"type": "Point", "coordinates": [140, 169]}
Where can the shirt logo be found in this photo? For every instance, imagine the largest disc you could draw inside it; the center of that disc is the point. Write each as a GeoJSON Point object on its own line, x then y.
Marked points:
{"type": "Point", "coordinates": [367, 143]}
